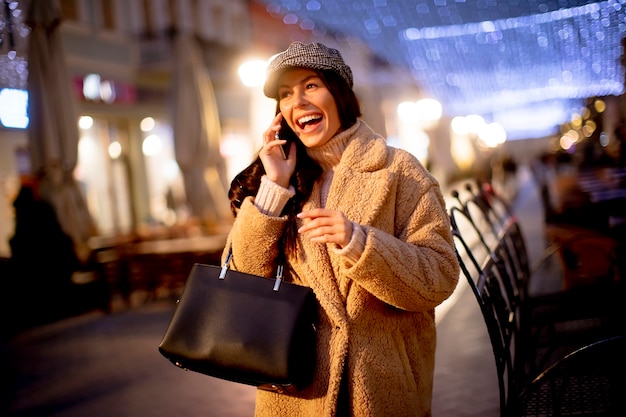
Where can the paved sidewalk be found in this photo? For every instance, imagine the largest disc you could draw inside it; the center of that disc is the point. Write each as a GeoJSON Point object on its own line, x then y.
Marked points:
{"type": "Point", "coordinates": [98, 365]}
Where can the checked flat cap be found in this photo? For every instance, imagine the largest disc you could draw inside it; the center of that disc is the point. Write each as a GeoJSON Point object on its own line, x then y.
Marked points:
{"type": "Point", "coordinates": [314, 56]}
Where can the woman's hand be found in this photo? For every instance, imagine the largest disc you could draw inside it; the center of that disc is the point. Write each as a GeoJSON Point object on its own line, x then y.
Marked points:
{"type": "Point", "coordinates": [326, 226]}
{"type": "Point", "coordinates": [277, 169]}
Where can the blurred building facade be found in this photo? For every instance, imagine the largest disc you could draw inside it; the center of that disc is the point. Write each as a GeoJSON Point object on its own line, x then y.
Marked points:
{"type": "Point", "coordinates": [121, 58]}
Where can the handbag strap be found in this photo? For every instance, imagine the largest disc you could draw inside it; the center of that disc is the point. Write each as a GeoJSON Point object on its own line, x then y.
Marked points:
{"type": "Point", "coordinates": [226, 265]}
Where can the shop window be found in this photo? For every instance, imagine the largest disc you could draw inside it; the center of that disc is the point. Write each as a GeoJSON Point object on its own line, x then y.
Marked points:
{"type": "Point", "coordinates": [102, 174]}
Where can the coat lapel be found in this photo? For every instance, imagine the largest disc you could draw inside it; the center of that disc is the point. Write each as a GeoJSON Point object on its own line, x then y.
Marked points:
{"type": "Point", "coordinates": [361, 183]}
{"type": "Point", "coordinates": [359, 189]}
{"type": "Point", "coordinates": [359, 195]}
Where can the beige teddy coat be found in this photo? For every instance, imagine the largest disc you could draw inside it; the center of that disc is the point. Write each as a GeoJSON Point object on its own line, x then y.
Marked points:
{"type": "Point", "coordinates": [376, 316]}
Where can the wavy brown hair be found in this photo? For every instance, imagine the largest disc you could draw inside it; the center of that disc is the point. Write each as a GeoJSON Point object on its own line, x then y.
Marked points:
{"type": "Point", "coordinates": [307, 171]}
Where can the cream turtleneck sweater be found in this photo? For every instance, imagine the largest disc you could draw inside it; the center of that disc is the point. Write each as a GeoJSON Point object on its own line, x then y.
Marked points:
{"type": "Point", "coordinates": [271, 197]}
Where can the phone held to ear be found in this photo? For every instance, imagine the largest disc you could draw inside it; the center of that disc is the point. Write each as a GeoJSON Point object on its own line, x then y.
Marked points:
{"type": "Point", "coordinates": [284, 149]}
{"type": "Point", "coordinates": [287, 134]}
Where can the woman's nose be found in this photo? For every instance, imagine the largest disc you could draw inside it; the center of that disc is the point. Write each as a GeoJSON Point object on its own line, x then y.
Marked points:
{"type": "Point", "coordinates": [299, 98]}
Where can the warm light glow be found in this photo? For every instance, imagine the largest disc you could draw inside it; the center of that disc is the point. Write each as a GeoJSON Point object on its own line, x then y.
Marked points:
{"type": "Point", "coordinates": [425, 112]}
{"type": "Point", "coordinates": [474, 123]}
{"type": "Point", "coordinates": [492, 134]}
{"type": "Point", "coordinates": [429, 111]}
{"type": "Point", "coordinates": [566, 142]}
{"type": "Point", "coordinates": [577, 120]}
{"type": "Point", "coordinates": [147, 124]}
{"type": "Point", "coordinates": [600, 106]}
{"type": "Point", "coordinates": [407, 111]}
{"type": "Point", "coordinates": [85, 122]}
{"type": "Point", "coordinates": [589, 127]}
{"type": "Point", "coordinates": [572, 135]}
{"type": "Point", "coordinates": [115, 150]}
{"type": "Point", "coordinates": [252, 73]}
{"type": "Point", "coordinates": [488, 135]}
{"type": "Point", "coordinates": [152, 145]}
{"type": "Point", "coordinates": [459, 126]}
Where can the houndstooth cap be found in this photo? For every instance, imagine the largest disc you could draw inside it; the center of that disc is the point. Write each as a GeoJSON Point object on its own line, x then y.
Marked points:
{"type": "Point", "coordinates": [305, 55]}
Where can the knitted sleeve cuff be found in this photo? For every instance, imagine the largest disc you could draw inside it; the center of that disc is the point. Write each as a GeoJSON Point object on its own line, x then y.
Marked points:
{"type": "Point", "coordinates": [271, 197]}
{"type": "Point", "coordinates": [353, 250]}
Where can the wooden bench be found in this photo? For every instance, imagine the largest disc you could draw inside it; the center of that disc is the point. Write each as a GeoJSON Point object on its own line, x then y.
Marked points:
{"type": "Point", "coordinates": [542, 344]}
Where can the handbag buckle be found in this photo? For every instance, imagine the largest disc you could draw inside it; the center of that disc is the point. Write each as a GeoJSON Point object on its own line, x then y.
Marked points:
{"type": "Point", "coordinates": [279, 277]}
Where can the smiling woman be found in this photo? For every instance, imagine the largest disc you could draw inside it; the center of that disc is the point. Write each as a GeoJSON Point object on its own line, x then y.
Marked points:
{"type": "Point", "coordinates": [363, 224]}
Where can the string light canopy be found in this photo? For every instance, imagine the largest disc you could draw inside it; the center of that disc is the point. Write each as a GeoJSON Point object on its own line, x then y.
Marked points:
{"type": "Point", "coordinates": [13, 32]}
{"type": "Point", "coordinates": [523, 63]}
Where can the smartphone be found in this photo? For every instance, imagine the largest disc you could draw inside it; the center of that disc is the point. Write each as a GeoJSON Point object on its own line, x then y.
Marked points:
{"type": "Point", "coordinates": [287, 134]}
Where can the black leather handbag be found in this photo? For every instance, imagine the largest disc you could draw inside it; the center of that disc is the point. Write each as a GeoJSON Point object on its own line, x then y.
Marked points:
{"type": "Point", "coordinates": [244, 328]}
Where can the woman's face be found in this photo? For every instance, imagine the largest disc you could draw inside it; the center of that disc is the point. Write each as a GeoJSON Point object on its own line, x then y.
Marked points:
{"type": "Point", "coordinates": [308, 107]}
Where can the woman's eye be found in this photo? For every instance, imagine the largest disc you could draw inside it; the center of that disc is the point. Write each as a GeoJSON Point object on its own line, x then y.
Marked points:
{"type": "Point", "coordinates": [310, 85]}
{"type": "Point", "coordinates": [283, 94]}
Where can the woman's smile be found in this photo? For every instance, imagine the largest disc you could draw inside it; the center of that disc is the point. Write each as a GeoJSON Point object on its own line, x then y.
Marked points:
{"type": "Point", "coordinates": [309, 121]}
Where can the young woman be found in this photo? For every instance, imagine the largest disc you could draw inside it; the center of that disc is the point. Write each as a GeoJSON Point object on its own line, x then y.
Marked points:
{"type": "Point", "coordinates": [361, 223]}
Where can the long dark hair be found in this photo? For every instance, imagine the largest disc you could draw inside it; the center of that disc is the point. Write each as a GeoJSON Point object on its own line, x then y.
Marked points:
{"type": "Point", "coordinates": [307, 171]}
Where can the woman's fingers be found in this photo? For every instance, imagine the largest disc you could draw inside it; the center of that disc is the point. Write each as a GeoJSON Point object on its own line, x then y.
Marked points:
{"type": "Point", "coordinates": [326, 226]}
{"type": "Point", "coordinates": [272, 143]}
{"type": "Point", "coordinates": [271, 138]}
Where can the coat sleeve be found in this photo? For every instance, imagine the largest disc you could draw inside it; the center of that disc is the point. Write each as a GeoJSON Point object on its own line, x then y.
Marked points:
{"type": "Point", "coordinates": [254, 240]}
{"type": "Point", "coordinates": [413, 267]}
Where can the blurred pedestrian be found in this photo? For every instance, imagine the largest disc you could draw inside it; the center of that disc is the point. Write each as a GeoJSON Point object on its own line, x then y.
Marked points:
{"type": "Point", "coordinates": [361, 223]}
{"type": "Point", "coordinates": [43, 259]}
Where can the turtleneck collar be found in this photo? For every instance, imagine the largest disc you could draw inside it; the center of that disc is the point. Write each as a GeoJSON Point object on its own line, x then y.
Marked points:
{"type": "Point", "coordinates": [329, 154]}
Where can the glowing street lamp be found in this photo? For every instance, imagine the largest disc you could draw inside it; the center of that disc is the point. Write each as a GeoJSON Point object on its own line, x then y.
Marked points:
{"type": "Point", "coordinates": [252, 73]}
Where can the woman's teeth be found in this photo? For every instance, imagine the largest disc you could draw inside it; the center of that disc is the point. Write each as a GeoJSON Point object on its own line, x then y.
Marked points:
{"type": "Point", "coordinates": [303, 121]}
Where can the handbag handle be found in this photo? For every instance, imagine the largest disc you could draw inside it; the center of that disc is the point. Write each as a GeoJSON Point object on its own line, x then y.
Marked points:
{"type": "Point", "coordinates": [226, 265]}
